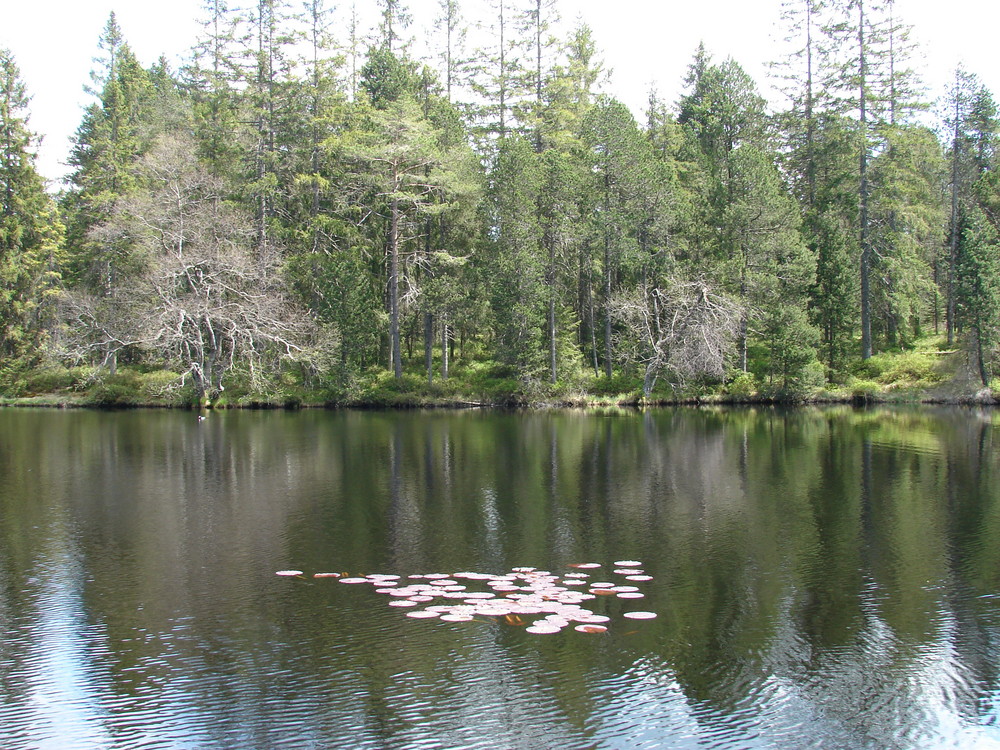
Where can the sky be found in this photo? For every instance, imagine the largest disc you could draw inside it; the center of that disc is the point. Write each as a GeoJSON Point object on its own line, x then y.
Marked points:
{"type": "Point", "coordinates": [646, 44]}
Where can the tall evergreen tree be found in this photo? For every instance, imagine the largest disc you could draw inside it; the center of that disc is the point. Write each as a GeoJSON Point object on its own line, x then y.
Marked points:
{"type": "Point", "coordinates": [799, 76]}
{"type": "Point", "coordinates": [114, 134]}
{"type": "Point", "coordinates": [452, 34]}
{"type": "Point", "coordinates": [211, 79]}
{"type": "Point", "coordinates": [268, 107]}
{"type": "Point", "coordinates": [978, 288]}
{"type": "Point", "coordinates": [620, 157]}
{"type": "Point", "coordinates": [105, 148]}
{"type": "Point", "coordinates": [967, 125]}
{"type": "Point", "coordinates": [499, 77]}
{"type": "Point", "coordinates": [514, 271]}
{"type": "Point", "coordinates": [395, 19]}
{"type": "Point", "coordinates": [908, 218]}
{"type": "Point", "coordinates": [752, 225]}
{"type": "Point", "coordinates": [30, 230]}
{"type": "Point", "coordinates": [874, 87]}
{"type": "Point", "coordinates": [400, 158]}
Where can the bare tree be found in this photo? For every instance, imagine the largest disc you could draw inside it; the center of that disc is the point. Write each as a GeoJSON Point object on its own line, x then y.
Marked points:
{"type": "Point", "coordinates": [681, 328]}
{"type": "Point", "coordinates": [201, 298]}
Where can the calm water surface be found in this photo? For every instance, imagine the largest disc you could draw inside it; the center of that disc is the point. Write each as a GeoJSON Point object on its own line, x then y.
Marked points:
{"type": "Point", "coordinates": [824, 578]}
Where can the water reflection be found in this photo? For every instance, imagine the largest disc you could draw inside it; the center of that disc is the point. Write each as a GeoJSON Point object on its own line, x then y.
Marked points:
{"type": "Point", "coordinates": [824, 577]}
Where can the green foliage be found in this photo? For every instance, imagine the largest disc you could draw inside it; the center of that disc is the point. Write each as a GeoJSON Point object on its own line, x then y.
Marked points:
{"type": "Point", "coordinates": [619, 384]}
{"type": "Point", "coordinates": [863, 390]}
{"type": "Point", "coordinates": [31, 232]}
{"type": "Point", "coordinates": [122, 389]}
{"type": "Point", "coordinates": [329, 230]}
{"type": "Point", "coordinates": [131, 387]}
{"type": "Point", "coordinates": [743, 385]}
{"type": "Point", "coordinates": [386, 78]}
{"type": "Point", "coordinates": [54, 378]}
{"type": "Point", "coordinates": [906, 370]}
{"type": "Point", "coordinates": [978, 288]}
{"type": "Point", "coordinates": [106, 147]}
{"type": "Point", "coordinates": [514, 274]}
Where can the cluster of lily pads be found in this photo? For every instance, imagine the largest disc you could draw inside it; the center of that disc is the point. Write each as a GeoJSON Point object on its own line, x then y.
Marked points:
{"type": "Point", "coordinates": [542, 601]}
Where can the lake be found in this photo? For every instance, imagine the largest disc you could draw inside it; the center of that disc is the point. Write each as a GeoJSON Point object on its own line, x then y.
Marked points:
{"type": "Point", "coordinates": [817, 577]}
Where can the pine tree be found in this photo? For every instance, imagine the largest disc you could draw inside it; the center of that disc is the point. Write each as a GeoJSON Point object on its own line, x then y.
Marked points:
{"type": "Point", "coordinates": [106, 147]}
{"type": "Point", "coordinates": [268, 108]}
{"type": "Point", "coordinates": [799, 73]}
{"type": "Point", "coordinates": [908, 217]}
{"type": "Point", "coordinates": [408, 175]}
{"type": "Point", "coordinates": [975, 191]}
{"type": "Point", "coordinates": [535, 23]}
{"type": "Point", "coordinates": [321, 105]}
{"type": "Point", "coordinates": [570, 90]}
{"type": "Point", "coordinates": [876, 88]}
{"type": "Point", "coordinates": [830, 228]}
{"type": "Point", "coordinates": [724, 119]}
{"type": "Point", "coordinates": [768, 262]}
{"type": "Point", "coordinates": [819, 160]}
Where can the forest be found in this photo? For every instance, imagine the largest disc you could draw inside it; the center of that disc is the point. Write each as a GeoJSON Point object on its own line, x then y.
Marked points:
{"type": "Point", "coordinates": [307, 212]}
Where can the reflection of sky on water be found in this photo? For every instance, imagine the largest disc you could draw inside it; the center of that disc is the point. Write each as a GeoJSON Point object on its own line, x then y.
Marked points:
{"type": "Point", "coordinates": [64, 703]}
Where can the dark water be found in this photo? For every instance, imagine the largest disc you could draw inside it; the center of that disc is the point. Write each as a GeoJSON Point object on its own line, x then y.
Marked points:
{"type": "Point", "coordinates": [822, 578]}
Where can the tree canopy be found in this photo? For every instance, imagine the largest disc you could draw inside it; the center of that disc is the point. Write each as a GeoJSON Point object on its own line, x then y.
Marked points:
{"type": "Point", "coordinates": [289, 208]}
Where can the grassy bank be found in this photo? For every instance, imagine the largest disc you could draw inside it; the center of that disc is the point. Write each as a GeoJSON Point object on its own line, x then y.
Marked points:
{"type": "Point", "coordinates": [929, 372]}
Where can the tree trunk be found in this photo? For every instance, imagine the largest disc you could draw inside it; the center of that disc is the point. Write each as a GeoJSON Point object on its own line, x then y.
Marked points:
{"type": "Point", "coordinates": [396, 354]}
{"type": "Point", "coordinates": [865, 265]}
{"type": "Point", "coordinates": [429, 346]}
{"type": "Point", "coordinates": [984, 375]}
{"type": "Point", "coordinates": [593, 324]}
{"type": "Point", "coordinates": [552, 338]}
{"type": "Point", "coordinates": [953, 230]}
{"type": "Point", "coordinates": [648, 380]}
{"type": "Point", "coordinates": [743, 316]}
{"type": "Point", "coordinates": [607, 307]}
{"type": "Point", "coordinates": [445, 342]}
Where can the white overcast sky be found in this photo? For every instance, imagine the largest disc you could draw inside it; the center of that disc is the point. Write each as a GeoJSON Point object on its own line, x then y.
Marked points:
{"type": "Point", "coordinates": [646, 43]}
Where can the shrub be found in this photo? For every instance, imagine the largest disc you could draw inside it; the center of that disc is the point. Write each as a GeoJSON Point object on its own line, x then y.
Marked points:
{"type": "Point", "coordinates": [502, 391]}
{"type": "Point", "coordinates": [617, 385]}
{"type": "Point", "coordinates": [113, 392]}
{"type": "Point", "coordinates": [864, 389]}
{"type": "Point", "coordinates": [906, 370]}
{"type": "Point", "coordinates": [57, 378]}
{"type": "Point", "coordinates": [743, 385]}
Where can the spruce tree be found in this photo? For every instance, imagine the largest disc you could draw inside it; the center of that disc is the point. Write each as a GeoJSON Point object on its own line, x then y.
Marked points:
{"type": "Point", "coordinates": [30, 230]}
{"type": "Point", "coordinates": [451, 37]}
{"type": "Point", "coordinates": [620, 156]}
{"type": "Point", "coordinates": [114, 134]}
{"type": "Point", "coordinates": [105, 149]}
{"type": "Point", "coordinates": [212, 82]}
{"type": "Point", "coordinates": [978, 288]}
{"type": "Point", "coordinates": [499, 76]}
{"type": "Point", "coordinates": [967, 125]}
{"type": "Point", "coordinates": [514, 271]}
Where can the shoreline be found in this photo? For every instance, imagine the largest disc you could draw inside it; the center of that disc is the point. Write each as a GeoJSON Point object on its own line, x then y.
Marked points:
{"type": "Point", "coordinates": [982, 398]}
